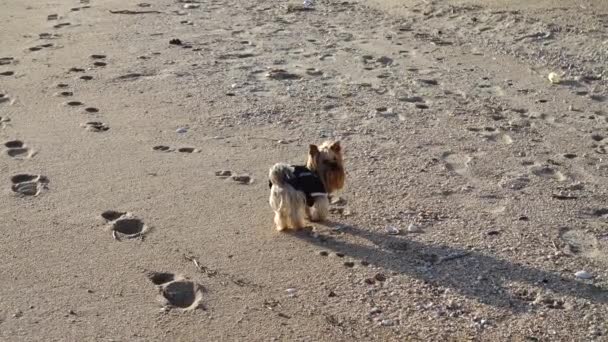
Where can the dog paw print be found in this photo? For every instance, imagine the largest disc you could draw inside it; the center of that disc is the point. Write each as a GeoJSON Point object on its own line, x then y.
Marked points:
{"type": "Point", "coordinates": [17, 149]}
{"type": "Point", "coordinates": [29, 185]}
{"type": "Point", "coordinates": [177, 292]}
{"type": "Point", "coordinates": [241, 179]}
{"type": "Point", "coordinates": [164, 148]}
{"type": "Point", "coordinates": [95, 126]}
{"type": "Point", "coordinates": [124, 225]}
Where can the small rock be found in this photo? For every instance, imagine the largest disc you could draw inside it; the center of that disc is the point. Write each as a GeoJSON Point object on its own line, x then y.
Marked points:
{"type": "Point", "coordinates": [332, 294]}
{"type": "Point", "coordinates": [413, 228]}
{"type": "Point", "coordinates": [181, 130]}
{"type": "Point", "coordinates": [380, 277]}
{"type": "Point", "coordinates": [369, 281]}
{"type": "Point", "coordinates": [554, 78]}
{"type": "Point", "coordinates": [323, 253]}
{"type": "Point", "coordinates": [291, 292]}
{"type": "Point", "coordinates": [175, 41]}
{"type": "Point", "coordinates": [340, 255]}
{"type": "Point", "coordinates": [583, 275]}
{"type": "Point", "coordinates": [375, 311]}
{"type": "Point", "coordinates": [392, 230]}
{"type": "Point", "coordinates": [349, 264]}
{"type": "Point", "coordinates": [191, 6]}
{"type": "Point", "coordinates": [387, 323]}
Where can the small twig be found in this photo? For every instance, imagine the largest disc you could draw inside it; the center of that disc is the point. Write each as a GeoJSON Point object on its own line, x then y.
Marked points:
{"type": "Point", "coordinates": [133, 12]}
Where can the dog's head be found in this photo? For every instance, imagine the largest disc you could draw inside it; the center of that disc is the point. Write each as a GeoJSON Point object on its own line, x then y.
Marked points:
{"type": "Point", "coordinates": [326, 161]}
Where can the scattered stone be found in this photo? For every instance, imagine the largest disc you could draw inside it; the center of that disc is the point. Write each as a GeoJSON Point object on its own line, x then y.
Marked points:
{"type": "Point", "coordinates": [380, 277]}
{"type": "Point", "coordinates": [413, 228]}
{"type": "Point", "coordinates": [323, 253]}
{"type": "Point", "coordinates": [392, 230]}
{"type": "Point", "coordinates": [191, 6]}
{"type": "Point", "coordinates": [387, 323]}
{"type": "Point", "coordinates": [375, 311]}
{"type": "Point", "coordinates": [340, 255]}
{"type": "Point", "coordinates": [583, 275]}
{"type": "Point", "coordinates": [554, 78]}
{"type": "Point", "coordinates": [332, 294]}
{"type": "Point", "coordinates": [181, 130]}
{"type": "Point", "coordinates": [349, 264]}
{"type": "Point", "coordinates": [175, 41]}
{"type": "Point", "coordinates": [291, 292]}
{"type": "Point", "coordinates": [369, 281]}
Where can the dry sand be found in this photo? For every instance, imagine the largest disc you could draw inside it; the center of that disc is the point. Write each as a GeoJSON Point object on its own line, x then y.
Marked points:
{"type": "Point", "coordinates": [450, 127]}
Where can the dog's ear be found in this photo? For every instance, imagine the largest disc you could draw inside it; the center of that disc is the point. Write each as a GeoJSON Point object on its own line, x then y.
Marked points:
{"type": "Point", "coordinates": [313, 150]}
{"type": "Point", "coordinates": [336, 147]}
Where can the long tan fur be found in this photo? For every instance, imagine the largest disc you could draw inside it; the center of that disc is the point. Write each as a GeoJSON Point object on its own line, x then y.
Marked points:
{"type": "Point", "coordinates": [289, 204]}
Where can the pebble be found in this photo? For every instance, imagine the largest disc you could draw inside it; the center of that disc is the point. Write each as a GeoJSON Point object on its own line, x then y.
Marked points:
{"type": "Point", "coordinates": [291, 292]}
{"type": "Point", "coordinates": [413, 228]}
{"type": "Point", "coordinates": [554, 78]}
{"type": "Point", "coordinates": [380, 277]}
{"type": "Point", "coordinates": [387, 322]}
{"type": "Point", "coordinates": [392, 230]}
{"type": "Point", "coordinates": [583, 275]}
{"type": "Point", "coordinates": [191, 6]}
{"type": "Point", "coordinates": [181, 130]}
{"type": "Point", "coordinates": [349, 264]}
{"type": "Point", "coordinates": [374, 311]}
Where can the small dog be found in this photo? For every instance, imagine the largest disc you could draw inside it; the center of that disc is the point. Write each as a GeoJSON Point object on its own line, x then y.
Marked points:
{"type": "Point", "coordinates": [297, 192]}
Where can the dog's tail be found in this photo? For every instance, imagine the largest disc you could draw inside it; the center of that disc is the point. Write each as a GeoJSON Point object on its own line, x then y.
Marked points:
{"type": "Point", "coordinates": [279, 174]}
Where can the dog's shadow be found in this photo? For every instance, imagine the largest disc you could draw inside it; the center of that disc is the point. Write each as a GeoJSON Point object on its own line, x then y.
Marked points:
{"type": "Point", "coordinates": [473, 274]}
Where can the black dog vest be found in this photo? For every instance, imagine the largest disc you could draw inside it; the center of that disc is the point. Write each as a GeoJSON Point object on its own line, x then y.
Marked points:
{"type": "Point", "coordinates": [307, 182]}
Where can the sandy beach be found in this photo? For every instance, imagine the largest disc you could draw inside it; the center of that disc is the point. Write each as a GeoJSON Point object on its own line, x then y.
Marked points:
{"type": "Point", "coordinates": [136, 139]}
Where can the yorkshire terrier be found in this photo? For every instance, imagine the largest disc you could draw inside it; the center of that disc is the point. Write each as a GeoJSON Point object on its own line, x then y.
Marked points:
{"type": "Point", "coordinates": [298, 192]}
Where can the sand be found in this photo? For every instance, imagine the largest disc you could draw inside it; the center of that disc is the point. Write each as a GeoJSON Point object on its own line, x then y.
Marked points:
{"type": "Point", "coordinates": [134, 170]}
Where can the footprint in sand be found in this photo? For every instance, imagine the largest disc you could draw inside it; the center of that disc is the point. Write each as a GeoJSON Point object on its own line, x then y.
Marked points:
{"type": "Point", "coordinates": [18, 150]}
{"type": "Point", "coordinates": [64, 93]}
{"type": "Point", "coordinates": [3, 121]}
{"type": "Point", "coordinates": [74, 103]}
{"type": "Point", "coordinates": [457, 163]}
{"type": "Point", "coordinates": [60, 25]}
{"type": "Point", "coordinates": [545, 171]}
{"type": "Point", "coordinates": [177, 292]}
{"type": "Point", "coordinates": [499, 137]}
{"type": "Point", "coordinates": [124, 225]}
{"type": "Point", "coordinates": [586, 244]}
{"type": "Point", "coordinates": [242, 179]}
{"type": "Point", "coordinates": [162, 148]}
{"type": "Point", "coordinates": [95, 126]}
{"type": "Point", "coordinates": [29, 185]}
